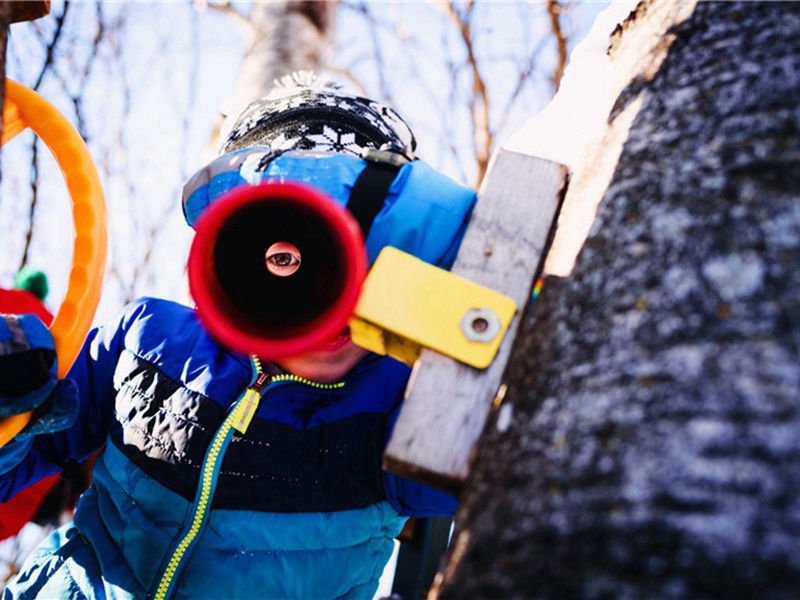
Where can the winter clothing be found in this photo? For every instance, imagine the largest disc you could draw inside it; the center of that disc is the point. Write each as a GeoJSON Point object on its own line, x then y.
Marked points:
{"type": "Point", "coordinates": [189, 500]}
{"type": "Point", "coordinates": [31, 289]}
{"type": "Point", "coordinates": [28, 370]}
{"type": "Point", "coordinates": [33, 281]}
{"type": "Point", "coordinates": [305, 113]}
{"type": "Point", "coordinates": [21, 301]}
{"type": "Point", "coordinates": [299, 497]}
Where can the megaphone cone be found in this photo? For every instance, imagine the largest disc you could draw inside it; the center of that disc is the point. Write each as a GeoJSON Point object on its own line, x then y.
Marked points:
{"type": "Point", "coordinates": [276, 269]}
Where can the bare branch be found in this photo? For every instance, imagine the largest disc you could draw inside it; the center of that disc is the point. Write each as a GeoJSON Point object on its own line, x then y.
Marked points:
{"type": "Point", "coordinates": [449, 116]}
{"type": "Point", "coordinates": [526, 71]}
{"type": "Point", "coordinates": [143, 264]}
{"type": "Point", "coordinates": [383, 85]}
{"type": "Point", "coordinates": [51, 47]}
{"type": "Point", "coordinates": [479, 101]}
{"type": "Point", "coordinates": [83, 75]}
{"type": "Point", "coordinates": [554, 9]}
{"type": "Point", "coordinates": [34, 183]}
{"type": "Point", "coordinates": [34, 177]}
{"type": "Point", "coordinates": [191, 95]}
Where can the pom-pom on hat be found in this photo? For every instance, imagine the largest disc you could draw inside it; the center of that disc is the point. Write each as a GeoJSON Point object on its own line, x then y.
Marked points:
{"type": "Point", "coordinates": [305, 113]}
{"type": "Point", "coordinates": [33, 281]}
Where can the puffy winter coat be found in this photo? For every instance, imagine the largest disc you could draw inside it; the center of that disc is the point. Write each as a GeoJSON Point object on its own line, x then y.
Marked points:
{"type": "Point", "coordinates": [188, 501]}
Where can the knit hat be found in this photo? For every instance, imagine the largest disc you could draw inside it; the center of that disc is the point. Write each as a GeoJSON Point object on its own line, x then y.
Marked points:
{"type": "Point", "coordinates": [305, 113]}
{"type": "Point", "coordinates": [33, 281]}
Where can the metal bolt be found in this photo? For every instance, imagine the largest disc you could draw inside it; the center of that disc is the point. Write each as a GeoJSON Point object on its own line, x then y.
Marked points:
{"type": "Point", "coordinates": [480, 325]}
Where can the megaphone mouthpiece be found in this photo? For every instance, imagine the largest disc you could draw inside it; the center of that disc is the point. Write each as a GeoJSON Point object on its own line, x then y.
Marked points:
{"type": "Point", "coordinates": [276, 269]}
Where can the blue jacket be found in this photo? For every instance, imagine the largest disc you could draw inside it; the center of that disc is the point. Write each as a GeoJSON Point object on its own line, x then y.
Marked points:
{"type": "Point", "coordinates": [189, 501]}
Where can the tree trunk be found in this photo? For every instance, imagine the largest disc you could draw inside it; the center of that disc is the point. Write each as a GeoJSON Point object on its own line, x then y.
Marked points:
{"type": "Point", "coordinates": [285, 36]}
{"type": "Point", "coordinates": [649, 441]}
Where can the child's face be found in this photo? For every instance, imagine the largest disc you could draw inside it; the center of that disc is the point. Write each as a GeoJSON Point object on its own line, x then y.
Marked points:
{"type": "Point", "coordinates": [328, 364]}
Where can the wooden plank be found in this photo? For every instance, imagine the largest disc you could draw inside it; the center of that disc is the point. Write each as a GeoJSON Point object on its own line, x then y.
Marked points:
{"type": "Point", "coordinates": [447, 402]}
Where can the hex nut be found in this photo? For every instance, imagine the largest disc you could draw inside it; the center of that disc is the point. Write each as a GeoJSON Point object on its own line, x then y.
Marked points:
{"type": "Point", "coordinates": [480, 325]}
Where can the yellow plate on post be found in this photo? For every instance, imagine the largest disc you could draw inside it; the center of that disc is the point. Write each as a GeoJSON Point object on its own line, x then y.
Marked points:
{"type": "Point", "coordinates": [407, 304]}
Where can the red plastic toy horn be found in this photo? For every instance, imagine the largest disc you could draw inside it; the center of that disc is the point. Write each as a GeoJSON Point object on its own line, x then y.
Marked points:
{"type": "Point", "coordinates": [276, 269]}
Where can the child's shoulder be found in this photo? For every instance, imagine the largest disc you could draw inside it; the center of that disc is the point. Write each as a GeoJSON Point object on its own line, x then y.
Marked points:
{"type": "Point", "coordinates": [154, 323]}
{"type": "Point", "coordinates": [156, 312]}
{"type": "Point", "coordinates": [169, 335]}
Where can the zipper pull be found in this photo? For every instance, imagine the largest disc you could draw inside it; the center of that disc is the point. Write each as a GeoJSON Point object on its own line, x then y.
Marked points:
{"type": "Point", "coordinates": [246, 407]}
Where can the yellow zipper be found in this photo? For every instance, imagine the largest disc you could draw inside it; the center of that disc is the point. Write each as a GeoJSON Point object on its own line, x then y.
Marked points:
{"type": "Point", "coordinates": [238, 418]}
{"type": "Point", "coordinates": [308, 382]}
{"type": "Point", "coordinates": [298, 379]}
{"type": "Point", "coordinates": [200, 510]}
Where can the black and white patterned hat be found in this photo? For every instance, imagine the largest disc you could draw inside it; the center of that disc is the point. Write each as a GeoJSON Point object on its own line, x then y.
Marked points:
{"type": "Point", "coordinates": [304, 113]}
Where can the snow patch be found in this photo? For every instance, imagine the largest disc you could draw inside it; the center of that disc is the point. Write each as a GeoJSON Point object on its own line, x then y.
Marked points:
{"type": "Point", "coordinates": [578, 112]}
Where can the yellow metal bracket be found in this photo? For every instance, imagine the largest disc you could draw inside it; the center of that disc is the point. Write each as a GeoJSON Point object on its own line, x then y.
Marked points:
{"type": "Point", "coordinates": [407, 304]}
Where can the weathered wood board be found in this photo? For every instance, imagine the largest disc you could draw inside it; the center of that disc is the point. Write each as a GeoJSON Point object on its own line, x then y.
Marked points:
{"type": "Point", "coordinates": [447, 402]}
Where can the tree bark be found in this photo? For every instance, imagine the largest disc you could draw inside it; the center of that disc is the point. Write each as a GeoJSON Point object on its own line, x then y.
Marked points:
{"type": "Point", "coordinates": [649, 441]}
{"type": "Point", "coordinates": [285, 36]}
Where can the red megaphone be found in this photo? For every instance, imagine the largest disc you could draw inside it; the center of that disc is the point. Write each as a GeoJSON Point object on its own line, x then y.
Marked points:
{"type": "Point", "coordinates": [243, 298]}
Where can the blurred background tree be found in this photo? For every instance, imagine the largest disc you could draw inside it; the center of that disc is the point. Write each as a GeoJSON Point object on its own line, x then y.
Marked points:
{"type": "Point", "coordinates": [146, 84]}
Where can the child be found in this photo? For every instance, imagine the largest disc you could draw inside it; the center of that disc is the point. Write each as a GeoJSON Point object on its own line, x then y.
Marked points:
{"type": "Point", "coordinates": [295, 505]}
{"type": "Point", "coordinates": [27, 296]}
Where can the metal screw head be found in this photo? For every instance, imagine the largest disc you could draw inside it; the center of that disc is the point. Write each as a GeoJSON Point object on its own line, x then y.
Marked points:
{"type": "Point", "coordinates": [480, 325]}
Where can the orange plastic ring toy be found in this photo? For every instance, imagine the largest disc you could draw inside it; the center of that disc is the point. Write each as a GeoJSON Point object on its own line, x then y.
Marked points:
{"type": "Point", "coordinates": [25, 108]}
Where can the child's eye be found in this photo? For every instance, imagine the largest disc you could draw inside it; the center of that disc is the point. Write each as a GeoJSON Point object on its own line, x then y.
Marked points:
{"type": "Point", "coordinates": [282, 259]}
